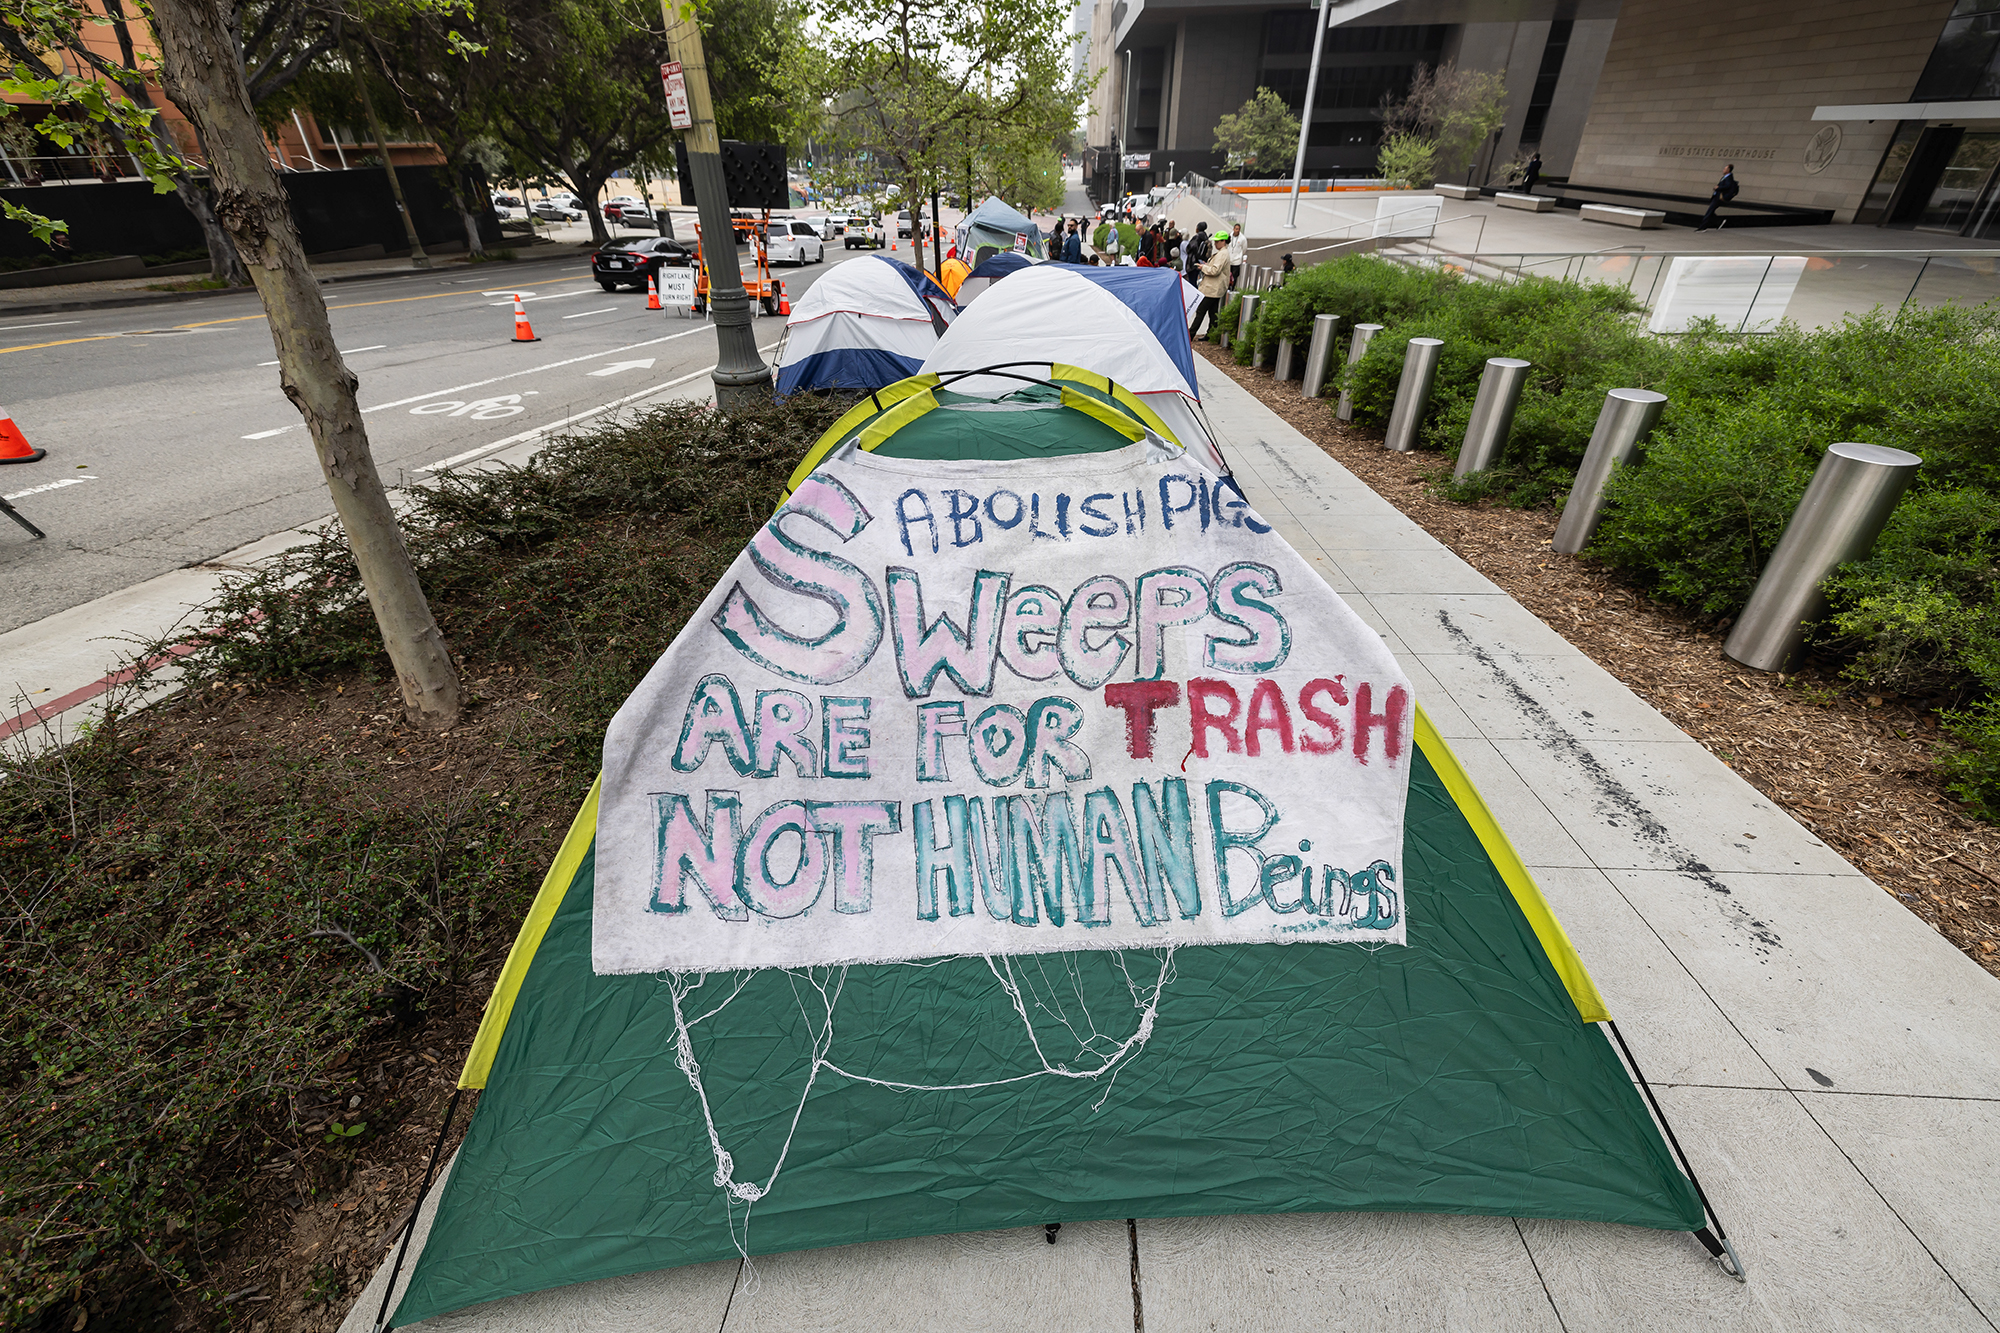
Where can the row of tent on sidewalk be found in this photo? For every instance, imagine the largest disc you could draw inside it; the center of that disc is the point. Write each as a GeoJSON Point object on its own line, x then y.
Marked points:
{"type": "Point", "coordinates": [644, 1091]}
{"type": "Point", "coordinates": [865, 325]}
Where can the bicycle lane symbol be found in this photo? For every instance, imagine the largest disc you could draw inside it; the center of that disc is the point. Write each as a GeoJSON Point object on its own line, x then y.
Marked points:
{"type": "Point", "coordinates": [479, 409]}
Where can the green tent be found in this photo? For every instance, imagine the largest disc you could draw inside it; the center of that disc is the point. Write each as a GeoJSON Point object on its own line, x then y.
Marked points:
{"type": "Point", "coordinates": [1466, 1071]}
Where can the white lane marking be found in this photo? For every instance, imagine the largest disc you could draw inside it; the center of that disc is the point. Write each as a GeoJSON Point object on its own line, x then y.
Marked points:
{"type": "Point", "coordinates": [616, 366]}
{"type": "Point", "coordinates": [446, 463]}
{"type": "Point", "coordinates": [48, 486]}
{"type": "Point", "coordinates": [552, 296]}
{"type": "Point", "coordinates": [581, 313]}
{"type": "Point", "coordinates": [345, 351]}
{"type": "Point", "coordinates": [509, 292]}
{"type": "Point", "coordinates": [480, 384]}
{"type": "Point", "coordinates": [52, 324]}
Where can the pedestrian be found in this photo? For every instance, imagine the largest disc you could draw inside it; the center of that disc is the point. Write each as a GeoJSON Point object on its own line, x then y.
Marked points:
{"type": "Point", "coordinates": [1112, 243]}
{"type": "Point", "coordinates": [1239, 251]}
{"type": "Point", "coordinates": [1531, 174]}
{"type": "Point", "coordinates": [1073, 243]}
{"type": "Point", "coordinates": [1213, 284]}
{"type": "Point", "coordinates": [1196, 252]}
{"type": "Point", "coordinates": [1725, 190]}
{"type": "Point", "coordinates": [1175, 243]}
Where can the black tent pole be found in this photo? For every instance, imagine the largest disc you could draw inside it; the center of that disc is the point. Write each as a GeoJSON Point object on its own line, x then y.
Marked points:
{"type": "Point", "coordinates": [444, 1131]}
{"type": "Point", "coordinates": [1718, 1244]}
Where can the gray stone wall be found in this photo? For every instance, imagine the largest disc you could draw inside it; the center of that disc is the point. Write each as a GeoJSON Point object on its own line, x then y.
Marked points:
{"type": "Point", "coordinates": [1220, 56]}
{"type": "Point", "coordinates": [1690, 84]}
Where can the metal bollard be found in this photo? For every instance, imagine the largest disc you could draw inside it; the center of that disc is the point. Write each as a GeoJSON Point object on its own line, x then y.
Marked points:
{"type": "Point", "coordinates": [1843, 512]}
{"type": "Point", "coordinates": [1285, 358]}
{"type": "Point", "coordinates": [1628, 417]}
{"type": "Point", "coordinates": [1492, 414]}
{"type": "Point", "coordinates": [1319, 354]}
{"type": "Point", "coordinates": [1357, 347]}
{"type": "Point", "coordinates": [1413, 393]}
{"type": "Point", "coordinates": [1246, 311]}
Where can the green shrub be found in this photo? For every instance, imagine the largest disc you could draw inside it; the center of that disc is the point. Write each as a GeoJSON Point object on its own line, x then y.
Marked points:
{"type": "Point", "coordinates": [1972, 768]}
{"type": "Point", "coordinates": [1922, 613]}
{"type": "Point", "coordinates": [195, 935]}
{"type": "Point", "coordinates": [1749, 421]}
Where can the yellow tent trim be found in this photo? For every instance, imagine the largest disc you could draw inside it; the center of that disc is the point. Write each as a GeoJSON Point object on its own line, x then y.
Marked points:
{"type": "Point", "coordinates": [1118, 393]}
{"type": "Point", "coordinates": [1094, 407]}
{"type": "Point", "coordinates": [1555, 941]}
{"type": "Point", "coordinates": [897, 417]}
{"type": "Point", "coordinates": [500, 1004]}
{"type": "Point", "coordinates": [882, 399]}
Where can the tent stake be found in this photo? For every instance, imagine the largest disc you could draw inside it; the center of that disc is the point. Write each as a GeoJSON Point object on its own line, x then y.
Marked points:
{"type": "Point", "coordinates": [1717, 1244]}
{"type": "Point", "coordinates": [402, 1250]}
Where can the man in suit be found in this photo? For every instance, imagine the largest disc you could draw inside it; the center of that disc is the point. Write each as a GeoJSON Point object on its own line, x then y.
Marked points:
{"type": "Point", "coordinates": [1725, 190]}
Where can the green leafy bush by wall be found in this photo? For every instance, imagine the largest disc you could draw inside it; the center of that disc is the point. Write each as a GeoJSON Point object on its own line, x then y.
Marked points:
{"type": "Point", "coordinates": [1747, 420]}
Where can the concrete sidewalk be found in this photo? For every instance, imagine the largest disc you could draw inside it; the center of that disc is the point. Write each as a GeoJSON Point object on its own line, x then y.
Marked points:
{"type": "Point", "coordinates": [1830, 1064]}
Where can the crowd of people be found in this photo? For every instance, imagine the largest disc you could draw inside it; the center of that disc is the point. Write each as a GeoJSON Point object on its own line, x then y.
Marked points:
{"type": "Point", "coordinates": [1212, 263]}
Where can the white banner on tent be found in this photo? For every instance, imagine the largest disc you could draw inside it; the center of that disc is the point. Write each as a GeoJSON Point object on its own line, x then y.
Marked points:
{"type": "Point", "coordinates": [938, 708]}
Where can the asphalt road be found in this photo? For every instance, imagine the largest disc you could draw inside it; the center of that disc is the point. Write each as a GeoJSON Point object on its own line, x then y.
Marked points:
{"type": "Point", "coordinates": [169, 441]}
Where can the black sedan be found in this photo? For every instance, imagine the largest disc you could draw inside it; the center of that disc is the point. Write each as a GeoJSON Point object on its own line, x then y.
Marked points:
{"type": "Point", "coordinates": [630, 263]}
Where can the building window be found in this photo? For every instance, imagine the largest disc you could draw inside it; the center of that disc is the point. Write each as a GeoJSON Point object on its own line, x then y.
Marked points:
{"type": "Point", "coordinates": [1965, 64]}
{"type": "Point", "coordinates": [1359, 69]}
{"type": "Point", "coordinates": [1546, 79]}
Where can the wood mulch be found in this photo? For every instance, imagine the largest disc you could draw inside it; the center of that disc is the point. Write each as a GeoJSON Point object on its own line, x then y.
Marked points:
{"type": "Point", "coordinates": [321, 1215]}
{"type": "Point", "coordinates": [1853, 767]}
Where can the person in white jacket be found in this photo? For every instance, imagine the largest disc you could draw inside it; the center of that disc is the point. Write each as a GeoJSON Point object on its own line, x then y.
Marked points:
{"type": "Point", "coordinates": [1239, 251]}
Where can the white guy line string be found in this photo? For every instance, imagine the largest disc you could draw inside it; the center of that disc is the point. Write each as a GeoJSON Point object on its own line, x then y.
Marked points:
{"type": "Point", "coordinates": [58, 485]}
{"type": "Point", "coordinates": [446, 463]}
{"type": "Point", "coordinates": [57, 323]}
{"type": "Point", "coordinates": [581, 313]}
{"type": "Point", "coordinates": [345, 351]}
{"type": "Point", "coordinates": [480, 384]}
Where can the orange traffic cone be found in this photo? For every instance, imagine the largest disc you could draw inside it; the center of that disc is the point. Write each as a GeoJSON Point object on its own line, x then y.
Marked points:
{"type": "Point", "coordinates": [524, 332]}
{"type": "Point", "coordinates": [652, 291]}
{"type": "Point", "coordinates": [784, 301]}
{"type": "Point", "coordinates": [14, 446]}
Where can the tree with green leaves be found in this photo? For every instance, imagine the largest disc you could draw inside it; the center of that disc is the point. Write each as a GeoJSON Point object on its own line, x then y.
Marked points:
{"type": "Point", "coordinates": [1451, 109]}
{"type": "Point", "coordinates": [931, 88]}
{"type": "Point", "coordinates": [1259, 134]}
{"type": "Point", "coordinates": [273, 41]}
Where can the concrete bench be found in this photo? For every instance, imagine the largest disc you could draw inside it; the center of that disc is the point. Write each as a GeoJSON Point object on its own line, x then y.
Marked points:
{"type": "Point", "coordinates": [1623, 217]}
{"type": "Point", "coordinates": [1456, 191]}
{"type": "Point", "coordinates": [1531, 203]}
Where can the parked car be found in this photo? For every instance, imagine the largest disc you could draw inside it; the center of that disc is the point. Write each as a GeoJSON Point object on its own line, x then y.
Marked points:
{"type": "Point", "coordinates": [903, 224]}
{"type": "Point", "coordinates": [794, 242]}
{"type": "Point", "coordinates": [863, 232]}
{"type": "Point", "coordinates": [631, 263]}
{"type": "Point", "coordinates": [630, 214]}
{"type": "Point", "coordinates": [548, 210]}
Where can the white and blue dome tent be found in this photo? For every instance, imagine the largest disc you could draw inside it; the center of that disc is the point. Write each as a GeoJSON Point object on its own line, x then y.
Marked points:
{"type": "Point", "coordinates": [863, 325]}
{"type": "Point", "coordinates": [1127, 324]}
{"type": "Point", "coordinates": [989, 271]}
{"type": "Point", "coordinates": [996, 224]}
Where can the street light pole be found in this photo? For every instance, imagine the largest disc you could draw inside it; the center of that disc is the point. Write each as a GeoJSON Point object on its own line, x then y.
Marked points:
{"type": "Point", "coordinates": [741, 377]}
{"type": "Point", "coordinates": [1324, 12]}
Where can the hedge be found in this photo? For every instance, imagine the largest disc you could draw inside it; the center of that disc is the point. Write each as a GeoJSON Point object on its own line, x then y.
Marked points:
{"type": "Point", "coordinates": [1747, 420]}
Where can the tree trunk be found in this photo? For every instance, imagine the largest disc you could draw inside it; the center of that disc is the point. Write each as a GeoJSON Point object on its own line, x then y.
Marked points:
{"type": "Point", "coordinates": [204, 79]}
{"type": "Point", "coordinates": [418, 259]}
{"type": "Point", "coordinates": [463, 191]}
{"type": "Point", "coordinates": [224, 264]}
